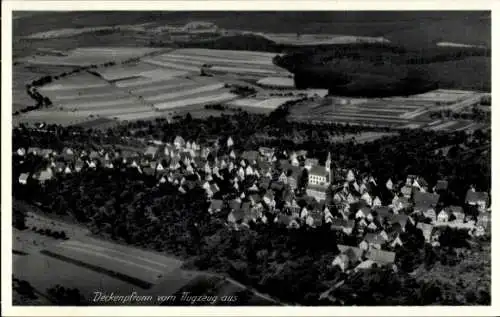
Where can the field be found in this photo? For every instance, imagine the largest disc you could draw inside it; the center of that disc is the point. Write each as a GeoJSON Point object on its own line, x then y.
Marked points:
{"type": "Point", "coordinates": [407, 112]}
{"type": "Point", "coordinates": [24, 74]}
{"type": "Point", "coordinates": [259, 105]}
{"type": "Point", "coordinates": [132, 265]}
{"type": "Point", "coordinates": [319, 39]}
{"type": "Point", "coordinates": [86, 56]}
{"type": "Point", "coordinates": [220, 61]}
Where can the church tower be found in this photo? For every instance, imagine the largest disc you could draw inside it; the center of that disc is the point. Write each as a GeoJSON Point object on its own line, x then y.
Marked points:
{"type": "Point", "coordinates": [328, 166]}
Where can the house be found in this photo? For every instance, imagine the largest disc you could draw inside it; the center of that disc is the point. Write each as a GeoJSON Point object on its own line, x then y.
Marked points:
{"type": "Point", "coordinates": [372, 240]}
{"type": "Point", "coordinates": [179, 142]}
{"type": "Point", "coordinates": [479, 199]}
{"type": "Point", "coordinates": [443, 216]}
{"type": "Point", "coordinates": [79, 165]}
{"type": "Point", "coordinates": [45, 175]}
{"type": "Point", "coordinates": [235, 216]}
{"type": "Point", "coordinates": [382, 213]}
{"type": "Point", "coordinates": [23, 178]}
{"type": "Point", "coordinates": [363, 212]}
{"type": "Point", "coordinates": [266, 152]}
{"type": "Point", "coordinates": [367, 198]}
{"type": "Point", "coordinates": [441, 185]}
{"type": "Point", "coordinates": [59, 167]}
{"type": "Point", "coordinates": [381, 257]}
{"type": "Point", "coordinates": [457, 212]}
{"type": "Point", "coordinates": [46, 153]}
{"type": "Point", "coordinates": [34, 150]}
{"type": "Point", "coordinates": [318, 175]}
{"type": "Point", "coordinates": [484, 220]}
{"type": "Point", "coordinates": [425, 201]}
{"type": "Point", "coordinates": [229, 142]}
{"type": "Point", "coordinates": [406, 191]}
{"type": "Point", "coordinates": [151, 152]}
{"type": "Point", "coordinates": [397, 241]}
{"type": "Point", "coordinates": [431, 214]}
{"type": "Point", "coordinates": [318, 192]}
{"type": "Point", "coordinates": [372, 226]}
{"type": "Point", "coordinates": [389, 184]}
{"type": "Point", "coordinates": [309, 163]}
{"type": "Point", "coordinates": [347, 258]}
{"type": "Point", "coordinates": [314, 219]}
{"type": "Point", "coordinates": [401, 219]}
{"type": "Point", "coordinates": [426, 230]}
{"type": "Point", "coordinates": [400, 203]}
{"type": "Point", "coordinates": [215, 206]}
{"type": "Point", "coordinates": [287, 221]}
{"type": "Point", "coordinates": [294, 160]}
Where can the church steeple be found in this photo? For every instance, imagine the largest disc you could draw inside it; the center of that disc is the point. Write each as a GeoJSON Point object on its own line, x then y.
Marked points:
{"type": "Point", "coordinates": [328, 166]}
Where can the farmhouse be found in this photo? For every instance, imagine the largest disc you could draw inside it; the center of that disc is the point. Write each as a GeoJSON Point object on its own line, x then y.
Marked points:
{"type": "Point", "coordinates": [23, 178]}
{"type": "Point", "coordinates": [479, 199]}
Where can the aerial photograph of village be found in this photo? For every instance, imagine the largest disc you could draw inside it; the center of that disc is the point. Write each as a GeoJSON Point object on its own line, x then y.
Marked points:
{"type": "Point", "coordinates": [260, 158]}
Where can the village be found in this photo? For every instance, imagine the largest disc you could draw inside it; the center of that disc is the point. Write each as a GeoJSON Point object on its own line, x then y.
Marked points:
{"type": "Point", "coordinates": [265, 186]}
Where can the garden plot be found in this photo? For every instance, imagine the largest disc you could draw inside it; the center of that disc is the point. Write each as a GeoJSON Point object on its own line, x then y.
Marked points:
{"type": "Point", "coordinates": [208, 98]}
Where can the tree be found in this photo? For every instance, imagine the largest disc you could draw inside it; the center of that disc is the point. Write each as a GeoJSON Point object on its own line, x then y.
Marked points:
{"type": "Point", "coordinates": [303, 179]}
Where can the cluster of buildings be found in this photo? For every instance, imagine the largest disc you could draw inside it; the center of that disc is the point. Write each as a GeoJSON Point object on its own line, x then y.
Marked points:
{"type": "Point", "coordinates": [288, 189]}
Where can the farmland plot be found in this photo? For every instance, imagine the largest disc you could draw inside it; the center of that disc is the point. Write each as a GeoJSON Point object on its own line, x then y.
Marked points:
{"type": "Point", "coordinates": [139, 116]}
{"type": "Point", "coordinates": [232, 54]}
{"type": "Point", "coordinates": [98, 104]}
{"type": "Point", "coordinates": [113, 111]}
{"type": "Point", "coordinates": [119, 71]}
{"type": "Point", "coordinates": [269, 103]}
{"type": "Point", "coordinates": [171, 65]}
{"type": "Point", "coordinates": [175, 93]}
{"type": "Point", "coordinates": [90, 56]}
{"type": "Point", "coordinates": [188, 92]}
{"type": "Point", "coordinates": [281, 82]}
{"type": "Point", "coordinates": [213, 97]}
{"type": "Point", "coordinates": [165, 87]}
{"type": "Point", "coordinates": [63, 118]}
{"type": "Point", "coordinates": [157, 75]}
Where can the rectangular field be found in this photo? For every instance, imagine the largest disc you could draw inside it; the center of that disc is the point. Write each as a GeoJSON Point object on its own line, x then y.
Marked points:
{"type": "Point", "coordinates": [213, 97]}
